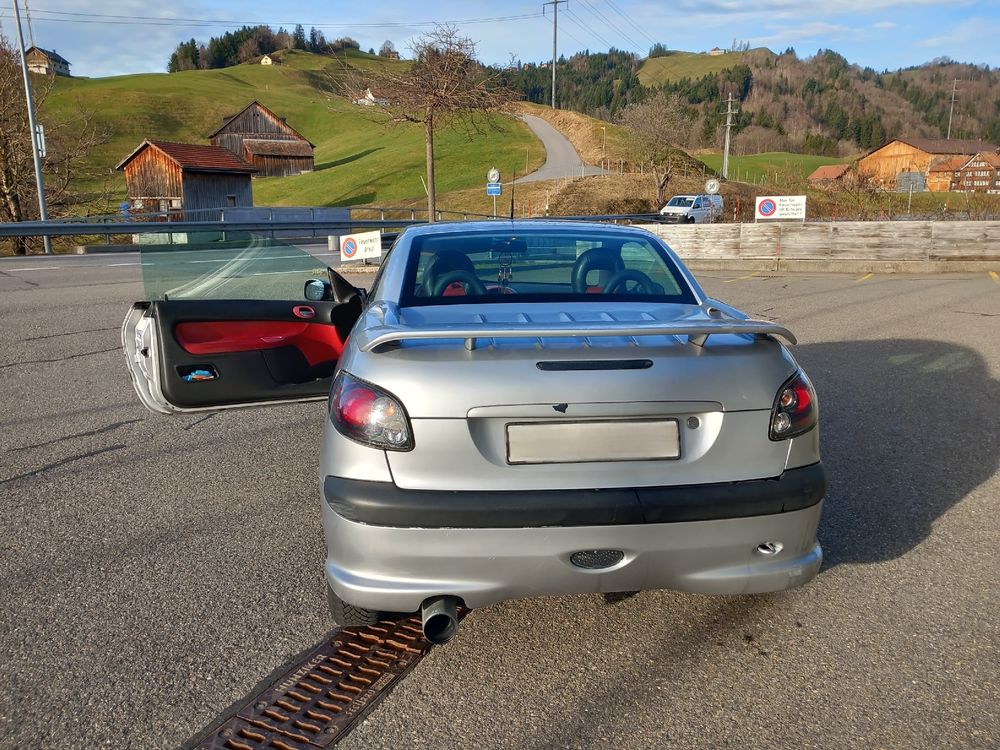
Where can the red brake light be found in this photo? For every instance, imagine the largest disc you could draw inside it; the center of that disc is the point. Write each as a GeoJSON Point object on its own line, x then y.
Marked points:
{"type": "Point", "coordinates": [369, 415]}
{"type": "Point", "coordinates": [794, 412]}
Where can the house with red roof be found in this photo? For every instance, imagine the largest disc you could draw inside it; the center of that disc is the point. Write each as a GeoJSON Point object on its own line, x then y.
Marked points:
{"type": "Point", "coordinates": [186, 180]}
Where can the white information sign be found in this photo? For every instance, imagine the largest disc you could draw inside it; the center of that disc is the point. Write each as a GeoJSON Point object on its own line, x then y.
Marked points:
{"type": "Point", "coordinates": [360, 246]}
{"type": "Point", "coordinates": [780, 207]}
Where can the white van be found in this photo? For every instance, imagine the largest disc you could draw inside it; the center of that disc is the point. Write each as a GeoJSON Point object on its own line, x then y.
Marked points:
{"type": "Point", "coordinates": [692, 209]}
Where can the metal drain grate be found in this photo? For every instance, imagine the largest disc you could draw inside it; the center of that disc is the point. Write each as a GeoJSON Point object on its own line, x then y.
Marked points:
{"type": "Point", "coordinates": [319, 700]}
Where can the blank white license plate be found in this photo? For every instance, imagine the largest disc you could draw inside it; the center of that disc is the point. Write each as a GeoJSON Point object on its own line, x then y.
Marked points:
{"type": "Point", "coordinates": [577, 442]}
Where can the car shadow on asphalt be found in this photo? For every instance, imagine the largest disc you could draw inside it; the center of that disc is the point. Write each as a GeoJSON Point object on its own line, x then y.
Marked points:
{"type": "Point", "coordinates": [908, 429]}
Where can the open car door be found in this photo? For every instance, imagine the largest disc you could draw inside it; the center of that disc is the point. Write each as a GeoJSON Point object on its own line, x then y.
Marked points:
{"type": "Point", "coordinates": [242, 333]}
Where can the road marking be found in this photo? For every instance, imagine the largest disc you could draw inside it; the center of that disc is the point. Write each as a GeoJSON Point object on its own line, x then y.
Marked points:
{"type": "Point", "coordinates": [33, 268]}
{"type": "Point", "coordinates": [741, 278]}
{"type": "Point", "coordinates": [112, 265]}
{"type": "Point", "coordinates": [865, 277]}
{"type": "Point", "coordinates": [995, 277]}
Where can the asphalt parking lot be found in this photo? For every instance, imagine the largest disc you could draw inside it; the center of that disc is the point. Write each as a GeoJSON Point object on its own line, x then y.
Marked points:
{"type": "Point", "coordinates": [155, 570]}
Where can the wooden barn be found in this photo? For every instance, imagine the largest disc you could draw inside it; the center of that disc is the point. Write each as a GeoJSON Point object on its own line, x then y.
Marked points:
{"type": "Point", "coordinates": [184, 179]}
{"type": "Point", "coordinates": [913, 155]}
{"type": "Point", "coordinates": [942, 173]}
{"type": "Point", "coordinates": [266, 141]}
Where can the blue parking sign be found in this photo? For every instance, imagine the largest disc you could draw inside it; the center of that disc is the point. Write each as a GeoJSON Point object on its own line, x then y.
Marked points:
{"type": "Point", "coordinates": [493, 188]}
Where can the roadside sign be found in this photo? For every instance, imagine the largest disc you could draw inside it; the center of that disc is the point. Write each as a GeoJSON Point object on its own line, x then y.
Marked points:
{"type": "Point", "coordinates": [780, 207]}
{"type": "Point", "coordinates": [360, 246]}
{"type": "Point", "coordinates": [712, 186]}
{"type": "Point", "coordinates": [493, 175]}
{"type": "Point", "coordinates": [493, 188]}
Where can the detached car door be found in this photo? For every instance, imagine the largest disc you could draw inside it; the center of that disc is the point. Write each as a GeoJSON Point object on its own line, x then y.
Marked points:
{"type": "Point", "coordinates": [228, 325]}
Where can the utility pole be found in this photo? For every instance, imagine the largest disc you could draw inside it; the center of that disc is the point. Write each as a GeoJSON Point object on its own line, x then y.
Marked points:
{"type": "Point", "coordinates": [555, 38]}
{"type": "Point", "coordinates": [35, 134]}
{"type": "Point", "coordinates": [729, 124]}
{"type": "Point", "coordinates": [27, 17]}
{"type": "Point", "coordinates": [954, 91]}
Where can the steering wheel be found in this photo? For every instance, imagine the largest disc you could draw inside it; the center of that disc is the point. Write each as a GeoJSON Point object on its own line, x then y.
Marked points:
{"type": "Point", "coordinates": [497, 289]}
{"type": "Point", "coordinates": [643, 284]}
{"type": "Point", "coordinates": [465, 277]}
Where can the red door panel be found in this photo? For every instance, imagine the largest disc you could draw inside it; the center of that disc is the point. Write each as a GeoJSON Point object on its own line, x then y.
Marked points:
{"type": "Point", "coordinates": [317, 342]}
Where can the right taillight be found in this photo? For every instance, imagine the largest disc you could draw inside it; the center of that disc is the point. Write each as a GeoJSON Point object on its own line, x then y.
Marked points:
{"type": "Point", "coordinates": [369, 415]}
{"type": "Point", "coordinates": [795, 410]}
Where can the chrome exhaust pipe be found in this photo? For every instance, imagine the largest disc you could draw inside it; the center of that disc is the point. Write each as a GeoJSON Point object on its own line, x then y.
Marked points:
{"type": "Point", "coordinates": [439, 619]}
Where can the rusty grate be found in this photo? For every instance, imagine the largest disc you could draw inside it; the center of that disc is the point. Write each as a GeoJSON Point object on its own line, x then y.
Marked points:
{"type": "Point", "coordinates": [320, 699]}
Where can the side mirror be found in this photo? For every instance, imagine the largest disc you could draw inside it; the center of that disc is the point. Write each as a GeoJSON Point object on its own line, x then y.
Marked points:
{"type": "Point", "coordinates": [317, 290]}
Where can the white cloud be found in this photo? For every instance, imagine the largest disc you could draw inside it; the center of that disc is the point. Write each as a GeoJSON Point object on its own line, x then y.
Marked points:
{"type": "Point", "coordinates": [974, 29]}
{"type": "Point", "coordinates": [885, 25]}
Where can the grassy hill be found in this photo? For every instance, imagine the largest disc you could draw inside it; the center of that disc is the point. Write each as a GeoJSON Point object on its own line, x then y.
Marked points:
{"type": "Point", "coordinates": [776, 168]}
{"type": "Point", "coordinates": [357, 161]}
{"type": "Point", "coordinates": [656, 71]}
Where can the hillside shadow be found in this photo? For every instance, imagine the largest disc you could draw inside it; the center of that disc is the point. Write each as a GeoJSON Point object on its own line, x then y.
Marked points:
{"type": "Point", "coordinates": [347, 159]}
{"type": "Point", "coordinates": [909, 428]}
{"type": "Point", "coordinates": [354, 199]}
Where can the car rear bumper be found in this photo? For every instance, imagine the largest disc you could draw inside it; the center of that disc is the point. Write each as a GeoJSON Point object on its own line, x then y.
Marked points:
{"type": "Point", "coordinates": [397, 568]}
{"type": "Point", "coordinates": [385, 504]}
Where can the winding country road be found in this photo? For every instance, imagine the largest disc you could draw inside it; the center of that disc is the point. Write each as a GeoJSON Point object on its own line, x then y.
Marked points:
{"type": "Point", "coordinates": [561, 159]}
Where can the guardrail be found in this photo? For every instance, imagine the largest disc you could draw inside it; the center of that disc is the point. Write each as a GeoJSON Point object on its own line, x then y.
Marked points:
{"type": "Point", "coordinates": [84, 226]}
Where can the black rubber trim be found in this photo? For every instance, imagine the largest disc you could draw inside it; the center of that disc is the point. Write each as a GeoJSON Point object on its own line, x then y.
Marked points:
{"type": "Point", "coordinates": [384, 504]}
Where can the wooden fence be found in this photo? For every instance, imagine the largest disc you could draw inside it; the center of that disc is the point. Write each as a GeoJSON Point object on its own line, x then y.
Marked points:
{"type": "Point", "coordinates": [842, 240]}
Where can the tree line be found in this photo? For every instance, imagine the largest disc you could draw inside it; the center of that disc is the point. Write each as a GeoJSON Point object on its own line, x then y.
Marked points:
{"type": "Point", "coordinates": [249, 43]}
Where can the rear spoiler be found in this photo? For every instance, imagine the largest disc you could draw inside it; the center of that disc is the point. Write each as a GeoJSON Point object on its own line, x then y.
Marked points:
{"type": "Point", "coordinates": [697, 331]}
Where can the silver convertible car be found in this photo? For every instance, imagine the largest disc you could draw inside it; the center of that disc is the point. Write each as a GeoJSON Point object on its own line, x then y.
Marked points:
{"type": "Point", "coordinates": [515, 408]}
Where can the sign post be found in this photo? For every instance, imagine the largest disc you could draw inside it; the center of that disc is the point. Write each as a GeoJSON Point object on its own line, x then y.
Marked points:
{"type": "Point", "coordinates": [493, 187]}
{"type": "Point", "coordinates": [779, 207]}
{"type": "Point", "coordinates": [360, 246]}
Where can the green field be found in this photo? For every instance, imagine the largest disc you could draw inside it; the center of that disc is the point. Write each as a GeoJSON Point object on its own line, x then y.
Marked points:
{"type": "Point", "coordinates": [357, 161]}
{"type": "Point", "coordinates": [776, 167]}
{"type": "Point", "coordinates": [656, 71]}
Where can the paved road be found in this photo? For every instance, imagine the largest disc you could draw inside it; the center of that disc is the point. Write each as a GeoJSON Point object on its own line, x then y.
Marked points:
{"type": "Point", "coordinates": [156, 569]}
{"type": "Point", "coordinates": [561, 159]}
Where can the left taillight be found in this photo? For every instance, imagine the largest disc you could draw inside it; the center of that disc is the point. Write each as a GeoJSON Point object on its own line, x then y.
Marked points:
{"type": "Point", "coordinates": [795, 410]}
{"type": "Point", "coordinates": [369, 415]}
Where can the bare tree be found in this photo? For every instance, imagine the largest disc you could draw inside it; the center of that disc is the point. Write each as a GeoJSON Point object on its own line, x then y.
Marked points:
{"type": "Point", "coordinates": [68, 141]}
{"type": "Point", "coordinates": [388, 49]}
{"type": "Point", "coordinates": [445, 85]}
{"type": "Point", "coordinates": [654, 127]}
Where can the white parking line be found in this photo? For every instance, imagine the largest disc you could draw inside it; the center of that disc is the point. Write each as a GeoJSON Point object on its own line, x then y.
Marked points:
{"type": "Point", "coordinates": [33, 268]}
{"type": "Point", "coordinates": [112, 265]}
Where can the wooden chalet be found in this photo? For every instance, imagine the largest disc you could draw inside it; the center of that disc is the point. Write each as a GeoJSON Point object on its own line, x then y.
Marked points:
{"type": "Point", "coordinates": [980, 174]}
{"type": "Point", "coordinates": [272, 146]}
{"type": "Point", "coordinates": [883, 165]}
{"type": "Point", "coordinates": [46, 62]}
{"type": "Point", "coordinates": [184, 179]}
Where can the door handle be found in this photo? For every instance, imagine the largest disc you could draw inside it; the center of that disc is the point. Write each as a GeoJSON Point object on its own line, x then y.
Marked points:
{"type": "Point", "coordinates": [303, 311]}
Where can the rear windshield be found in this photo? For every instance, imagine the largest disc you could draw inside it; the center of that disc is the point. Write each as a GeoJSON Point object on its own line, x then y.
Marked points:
{"type": "Point", "coordinates": [539, 266]}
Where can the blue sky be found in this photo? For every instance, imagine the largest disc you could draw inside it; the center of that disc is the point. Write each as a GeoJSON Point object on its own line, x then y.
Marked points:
{"type": "Point", "coordinates": [133, 36]}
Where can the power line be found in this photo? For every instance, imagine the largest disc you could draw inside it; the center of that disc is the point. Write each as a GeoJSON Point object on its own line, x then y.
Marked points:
{"type": "Point", "coordinates": [59, 16]}
{"type": "Point", "coordinates": [614, 28]}
{"type": "Point", "coordinates": [630, 22]}
{"type": "Point", "coordinates": [586, 27]}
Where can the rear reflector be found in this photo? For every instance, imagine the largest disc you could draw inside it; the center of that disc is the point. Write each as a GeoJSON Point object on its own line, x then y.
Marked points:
{"type": "Point", "coordinates": [579, 442]}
